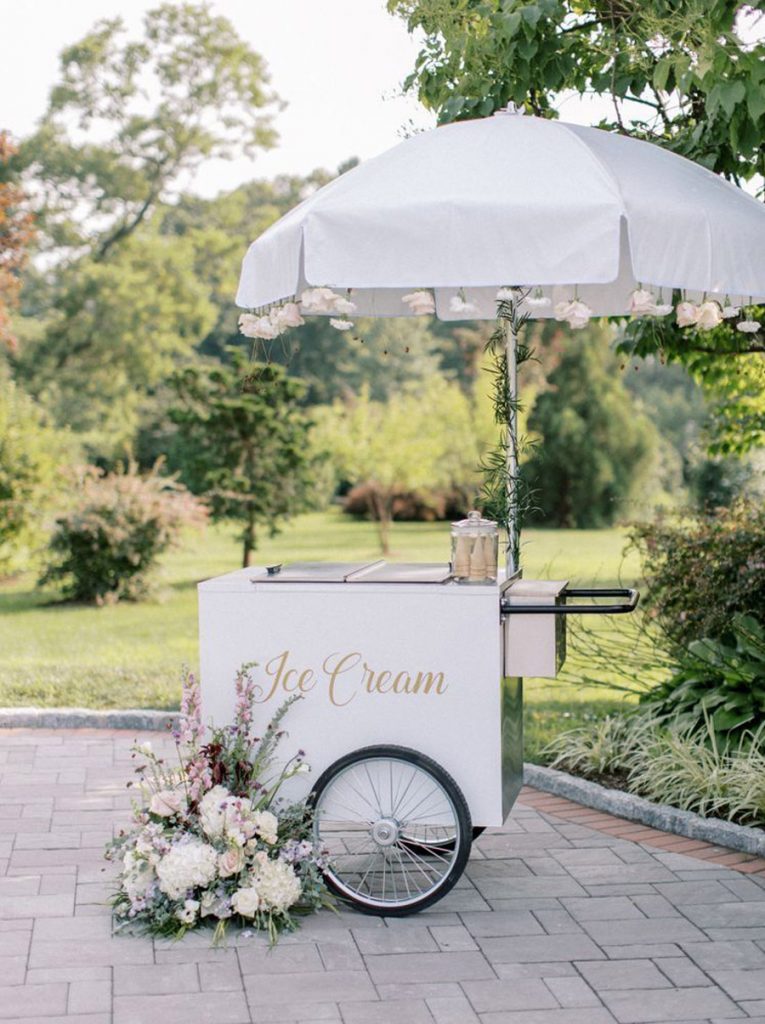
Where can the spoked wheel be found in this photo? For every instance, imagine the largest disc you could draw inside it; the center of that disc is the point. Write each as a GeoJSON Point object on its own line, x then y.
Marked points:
{"type": "Point", "coordinates": [396, 826]}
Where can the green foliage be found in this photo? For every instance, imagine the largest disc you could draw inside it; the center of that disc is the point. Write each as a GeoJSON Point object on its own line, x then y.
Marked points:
{"type": "Point", "coordinates": [118, 328]}
{"type": "Point", "coordinates": [32, 457]}
{"type": "Point", "coordinates": [106, 548]}
{"type": "Point", "coordinates": [683, 75]}
{"type": "Point", "coordinates": [422, 439]}
{"type": "Point", "coordinates": [682, 767]}
{"type": "Point", "coordinates": [245, 443]}
{"type": "Point", "coordinates": [680, 74]}
{"type": "Point", "coordinates": [704, 569]}
{"type": "Point", "coordinates": [596, 448]}
{"type": "Point", "coordinates": [603, 747]}
{"type": "Point", "coordinates": [718, 685]}
{"type": "Point", "coordinates": [689, 770]}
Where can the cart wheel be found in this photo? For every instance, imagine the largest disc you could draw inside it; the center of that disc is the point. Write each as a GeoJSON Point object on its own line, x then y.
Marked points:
{"type": "Point", "coordinates": [396, 826]}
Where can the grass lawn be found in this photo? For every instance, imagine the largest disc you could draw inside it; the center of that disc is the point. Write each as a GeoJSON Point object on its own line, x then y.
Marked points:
{"type": "Point", "coordinates": [130, 655]}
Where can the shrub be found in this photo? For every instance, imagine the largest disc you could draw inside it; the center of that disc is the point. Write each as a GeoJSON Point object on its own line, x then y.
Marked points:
{"type": "Point", "coordinates": [686, 768]}
{"type": "Point", "coordinates": [408, 506]}
{"type": "Point", "coordinates": [32, 454]}
{"type": "Point", "coordinates": [717, 685]}
{"type": "Point", "coordinates": [107, 547]}
{"type": "Point", "coordinates": [703, 570]}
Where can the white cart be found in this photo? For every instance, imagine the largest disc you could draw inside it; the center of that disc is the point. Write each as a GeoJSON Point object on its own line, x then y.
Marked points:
{"type": "Point", "coordinates": [412, 709]}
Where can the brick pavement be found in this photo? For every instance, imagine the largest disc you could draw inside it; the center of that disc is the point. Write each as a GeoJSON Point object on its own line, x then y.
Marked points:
{"type": "Point", "coordinates": [565, 916]}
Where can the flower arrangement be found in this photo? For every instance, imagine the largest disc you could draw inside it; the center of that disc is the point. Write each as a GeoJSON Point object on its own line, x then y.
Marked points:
{"type": "Point", "coordinates": [211, 841]}
{"type": "Point", "coordinates": [641, 303]}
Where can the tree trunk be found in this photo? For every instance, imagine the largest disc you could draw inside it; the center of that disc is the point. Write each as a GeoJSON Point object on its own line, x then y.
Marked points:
{"type": "Point", "coordinates": [378, 506]}
{"type": "Point", "coordinates": [249, 539]}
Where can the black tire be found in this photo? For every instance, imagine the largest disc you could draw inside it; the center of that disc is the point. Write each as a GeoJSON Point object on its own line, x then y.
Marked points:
{"type": "Point", "coordinates": [458, 847]}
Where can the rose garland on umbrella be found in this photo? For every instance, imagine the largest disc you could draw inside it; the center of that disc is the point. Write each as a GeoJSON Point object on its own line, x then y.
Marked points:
{"type": "Point", "coordinates": [211, 840]}
{"type": "Point", "coordinates": [642, 304]}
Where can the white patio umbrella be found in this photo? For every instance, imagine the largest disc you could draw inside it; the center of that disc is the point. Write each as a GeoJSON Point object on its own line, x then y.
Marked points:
{"type": "Point", "coordinates": [560, 211]}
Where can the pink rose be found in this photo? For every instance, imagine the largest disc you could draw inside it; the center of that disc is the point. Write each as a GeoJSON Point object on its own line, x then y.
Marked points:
{"type": "Point", "coordinates": [166, 803]}
{"type": "Point", "coordinates": [231, 862]}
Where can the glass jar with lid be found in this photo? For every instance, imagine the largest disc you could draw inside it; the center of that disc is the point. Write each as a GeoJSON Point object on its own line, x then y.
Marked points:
{"type": "Point", "coordinates": [475, 547]}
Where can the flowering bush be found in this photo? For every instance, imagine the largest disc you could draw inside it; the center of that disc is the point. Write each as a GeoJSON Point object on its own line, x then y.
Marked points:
{"type": "Point", "coordinates": [105, 548]}
{"type": "Point", "coordinates": [211, 840]}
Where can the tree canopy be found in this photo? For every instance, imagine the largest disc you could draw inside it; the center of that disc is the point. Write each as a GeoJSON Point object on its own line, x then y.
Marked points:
{"type": "Point", "coordinates": [688, 75]}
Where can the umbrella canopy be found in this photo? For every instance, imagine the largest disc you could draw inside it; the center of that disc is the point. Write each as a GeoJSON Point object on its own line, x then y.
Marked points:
{"type": "Point", "coordinates": [470, 207]}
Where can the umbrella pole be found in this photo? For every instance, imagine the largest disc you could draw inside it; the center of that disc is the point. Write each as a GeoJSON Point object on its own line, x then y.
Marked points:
{"type": "Point", "coordinates": [513, 524]}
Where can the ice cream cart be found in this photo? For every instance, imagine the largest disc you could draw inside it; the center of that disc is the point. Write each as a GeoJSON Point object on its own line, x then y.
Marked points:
{"type": "Point", "coordinates": [412, 677]}
{"type": "Point", "coordinates": [411, 714]}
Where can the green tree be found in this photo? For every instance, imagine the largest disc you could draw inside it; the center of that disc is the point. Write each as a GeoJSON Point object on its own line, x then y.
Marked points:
{"type": "Point", "coordinates": [597, 449]}
{"type": "Point", "coordinates": [245, 443]}
{"type": "Point", "coordinates": [421, 439]}
{"type": "Point", "coordinates": [32, 456]}
{"type": "Point", "coordinates": [130, 120]}
{"type": "Point", "coordinates": [686, 75]}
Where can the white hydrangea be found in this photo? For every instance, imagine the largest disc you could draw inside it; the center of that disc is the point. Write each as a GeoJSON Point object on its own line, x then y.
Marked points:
{"type": "Point", "coordinates": [265, 824]}
{"type": "Point", "coordinates": [277, 884]}
{"type": "Point", "coordinates": [137, 875]}
{"type": "Point", "coordinates": [186, 866]}
{"type": "Point", "coordinates": [221, 813]}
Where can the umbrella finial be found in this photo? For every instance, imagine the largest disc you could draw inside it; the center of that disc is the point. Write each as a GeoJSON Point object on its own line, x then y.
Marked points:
{"type": "Point", "coordinates": [511, 108]}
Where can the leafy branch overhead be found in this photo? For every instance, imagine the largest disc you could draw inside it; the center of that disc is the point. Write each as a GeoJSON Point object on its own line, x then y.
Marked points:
{"type": "Point", "coordinates": [688, 76]}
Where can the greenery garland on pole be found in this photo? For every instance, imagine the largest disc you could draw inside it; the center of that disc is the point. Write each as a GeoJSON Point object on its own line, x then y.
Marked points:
{"type": "Point", "coordinates": [504, 494]}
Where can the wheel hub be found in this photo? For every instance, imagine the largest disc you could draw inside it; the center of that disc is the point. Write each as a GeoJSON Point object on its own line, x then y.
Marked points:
{"type": "Point", "coordinates": [385, 831]}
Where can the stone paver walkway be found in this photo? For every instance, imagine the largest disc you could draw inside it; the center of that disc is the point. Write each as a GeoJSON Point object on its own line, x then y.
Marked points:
{"type": "Point", "coordinates": [555, 922]}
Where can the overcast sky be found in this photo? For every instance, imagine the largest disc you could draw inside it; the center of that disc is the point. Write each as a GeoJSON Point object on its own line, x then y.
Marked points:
{"type": "Point", "coordinates": [337, 63]}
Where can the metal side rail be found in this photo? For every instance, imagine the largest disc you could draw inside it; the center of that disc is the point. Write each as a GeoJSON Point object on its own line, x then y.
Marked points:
{"type": "Point", "coordinates": [629, 605]}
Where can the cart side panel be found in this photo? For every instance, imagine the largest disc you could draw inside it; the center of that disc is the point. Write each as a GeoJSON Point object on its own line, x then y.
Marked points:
{"type": "Point", "coordinates": [512, 741]}
{"type": "Point", "coordinates": [411, 666]}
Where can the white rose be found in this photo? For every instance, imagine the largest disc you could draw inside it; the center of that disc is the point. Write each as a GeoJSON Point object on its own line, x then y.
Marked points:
{"type": "Point", "coordinates": [277, 884]}
{"type": "Point", "coordinates": [246, 902]}
{"type": "Point", "coordinates": [687, 314]}
{"type": "Point", "coordinates": [421, 303]}
{"type": "Point", "coordinates": [341, 325]}
{"type": "Point", "coordinates": [642, 303]}
{"type": "Point", "coordinates": [538, 302]}
{"type": "Point", "coordinates": [709, 317]}
{"type": "Point", "coordinates": [505, 295]}
{"type": "Point", "coordinates": [166, 803]}
{"type": "Point", "coordinates": [231, 862]}
{"type": "Point", "coordinates": [258, 327]}
{"type": "Point", "coordinates": [266, 825]}
{"type": "Point", "coordinates": [188, 912]}
{"type": "Point", "coordinates": [286, 316]}
{"type": "Point", "coordinates": [144, 748]}
{"type": "Point", "coordinates": [663, 309]}
{"type": "Point", "coordinates": [343, 305]}
{"type": "Point", "coordinates": [459, 305]}
{"type": "Point", "coordinates": [319, 300]}
{"type": "Point", "coordinates": [579, 314]}
{"type": "Point", "coordinates": [186, 866]}
{"type": "Point", "coordinates": [575, 313]}
{"type": "Point", "coordinates": [748, 326]}
{"type": "Point", "coordinates": [728, 312]}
